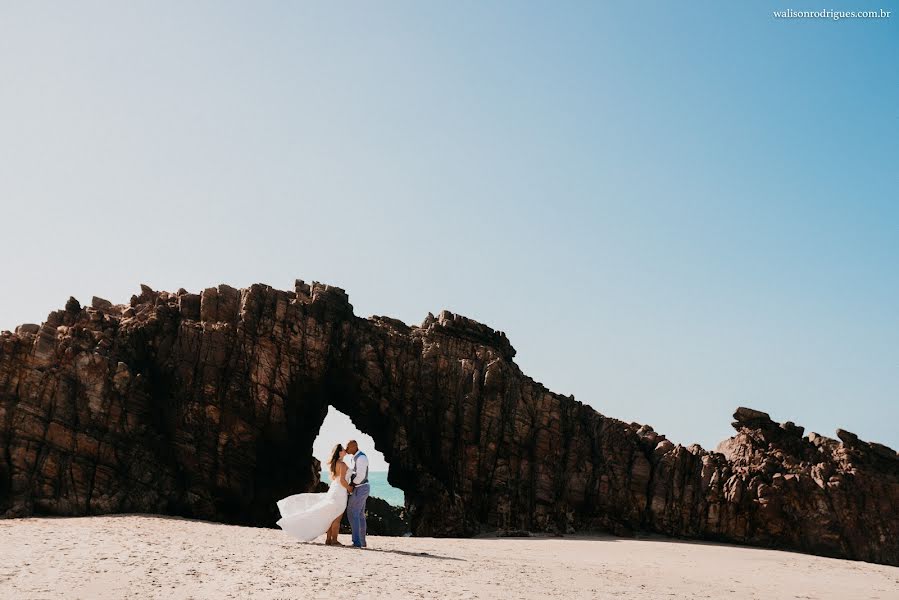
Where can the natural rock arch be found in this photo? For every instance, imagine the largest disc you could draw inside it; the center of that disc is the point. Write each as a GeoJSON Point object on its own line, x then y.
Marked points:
{"type": "Point", "coordinates": [206, 405]}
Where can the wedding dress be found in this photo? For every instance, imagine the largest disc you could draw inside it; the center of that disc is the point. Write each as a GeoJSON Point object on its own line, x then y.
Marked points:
{"type": "Point", "coordinates": [307, 516]}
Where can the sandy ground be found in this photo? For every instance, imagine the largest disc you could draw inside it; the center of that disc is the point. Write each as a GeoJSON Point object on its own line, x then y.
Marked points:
{"type": "Point", "coordinates": [138, 556]}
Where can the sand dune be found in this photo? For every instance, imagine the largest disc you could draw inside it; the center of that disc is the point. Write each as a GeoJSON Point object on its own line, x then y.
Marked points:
{"type": "Point", "coordinates": [140, 556]}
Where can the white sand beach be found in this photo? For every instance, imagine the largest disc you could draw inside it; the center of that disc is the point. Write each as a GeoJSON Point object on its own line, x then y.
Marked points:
{"type": "Point", "coordinates": [142, 556]}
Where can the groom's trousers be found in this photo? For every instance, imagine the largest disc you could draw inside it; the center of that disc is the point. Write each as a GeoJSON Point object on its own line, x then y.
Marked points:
{"type": "Point", "coordinates": [355, 512]}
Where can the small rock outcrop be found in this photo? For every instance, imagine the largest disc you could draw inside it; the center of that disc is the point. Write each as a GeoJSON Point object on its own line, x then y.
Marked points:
{"type": "Point", "coordinates": [381, 519]}
{"type": "Point", "coordinates": [206, 405]}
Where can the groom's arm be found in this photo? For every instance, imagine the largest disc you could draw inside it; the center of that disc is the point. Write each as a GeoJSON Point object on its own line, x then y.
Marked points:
{"type": "Point", "coordinates": [361, 471]}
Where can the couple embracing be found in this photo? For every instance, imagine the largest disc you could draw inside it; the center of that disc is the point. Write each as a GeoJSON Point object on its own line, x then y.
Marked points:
{"type": "Point", "coordinates": [307, 516]}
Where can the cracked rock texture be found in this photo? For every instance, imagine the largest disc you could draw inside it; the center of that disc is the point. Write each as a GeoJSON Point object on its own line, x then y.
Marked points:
{"type": "Point", "coordinates": [206, 405]}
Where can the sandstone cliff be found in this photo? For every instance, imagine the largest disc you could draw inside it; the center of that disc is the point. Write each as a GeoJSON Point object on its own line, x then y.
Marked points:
{"type": "Point", "coordinates": [206, 405]}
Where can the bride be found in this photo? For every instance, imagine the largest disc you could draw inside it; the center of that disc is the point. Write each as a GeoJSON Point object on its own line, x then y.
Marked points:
{"type": "Point", "coordinates": [307, 516]}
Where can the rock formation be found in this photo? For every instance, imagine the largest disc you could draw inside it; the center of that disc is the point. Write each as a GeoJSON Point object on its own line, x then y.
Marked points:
{"type": "Point", "coordinates": [206, 405]}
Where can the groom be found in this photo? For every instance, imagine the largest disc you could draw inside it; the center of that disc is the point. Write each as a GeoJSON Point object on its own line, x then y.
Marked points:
{"type": "Point", "coordinates": [355, 508]}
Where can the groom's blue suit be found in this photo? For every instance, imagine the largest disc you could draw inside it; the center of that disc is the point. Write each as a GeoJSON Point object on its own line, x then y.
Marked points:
{"type": "Point", "coordinates": [355, 508]}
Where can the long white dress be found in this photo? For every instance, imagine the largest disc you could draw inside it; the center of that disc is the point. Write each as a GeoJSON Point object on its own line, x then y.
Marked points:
{"type": "Point", "coordinates": [307, 516]}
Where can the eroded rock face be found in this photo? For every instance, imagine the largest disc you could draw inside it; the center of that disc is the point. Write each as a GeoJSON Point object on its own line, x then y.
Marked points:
{"type": "Point", "coordinates": [206, 405]}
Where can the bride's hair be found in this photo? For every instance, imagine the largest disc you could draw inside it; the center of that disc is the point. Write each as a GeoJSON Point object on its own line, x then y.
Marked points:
{"type": "Point", "coordinates": [335, 458]}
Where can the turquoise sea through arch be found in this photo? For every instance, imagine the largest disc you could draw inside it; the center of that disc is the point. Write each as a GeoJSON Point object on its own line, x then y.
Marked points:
{"type": "Point", "coordinates": [379, 487]}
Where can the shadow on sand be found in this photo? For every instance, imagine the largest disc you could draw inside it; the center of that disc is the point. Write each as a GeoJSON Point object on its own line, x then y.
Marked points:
{"type": "Point", "coordinates": [649, 537]}
{"type": "Point", "coordinates": [401, 552]}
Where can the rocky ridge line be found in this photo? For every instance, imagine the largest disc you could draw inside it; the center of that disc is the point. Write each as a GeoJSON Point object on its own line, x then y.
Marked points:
{"type": "Point", "coordinates": [206, 405]}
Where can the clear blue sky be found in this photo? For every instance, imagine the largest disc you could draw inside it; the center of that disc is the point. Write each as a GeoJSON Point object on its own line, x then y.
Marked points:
{"type": "Point", "coordinates": [672, 209]}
